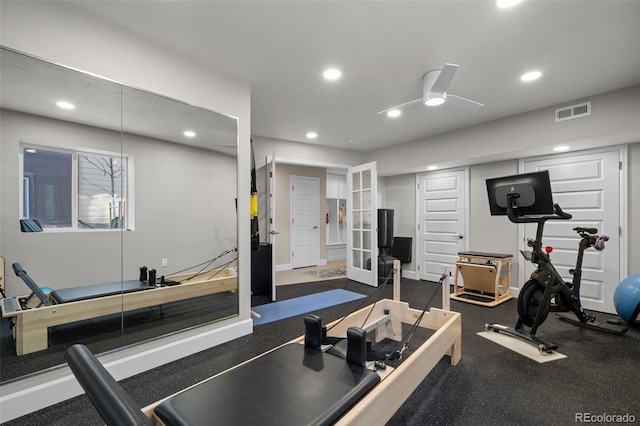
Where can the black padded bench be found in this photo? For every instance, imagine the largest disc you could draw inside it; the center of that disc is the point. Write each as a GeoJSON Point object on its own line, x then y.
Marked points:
{"type": "Point", "coordinates": [76, 294]}
{"type": "Point", "coordinates": [292, 385]}
{"type": "Point", "coordinates": [94, 291]}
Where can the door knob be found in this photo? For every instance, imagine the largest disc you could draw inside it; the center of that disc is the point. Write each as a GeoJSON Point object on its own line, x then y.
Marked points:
{"type": "Point", "coordinates": [460, 236]}
{"type": "Point", "coordinates": [315, 227]}
{"type": "Point", "coordinates": [274, 233]}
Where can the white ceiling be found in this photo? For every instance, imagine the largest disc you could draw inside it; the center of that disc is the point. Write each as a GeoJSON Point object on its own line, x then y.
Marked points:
{"type": "Point", "coordinates": [383, 48]}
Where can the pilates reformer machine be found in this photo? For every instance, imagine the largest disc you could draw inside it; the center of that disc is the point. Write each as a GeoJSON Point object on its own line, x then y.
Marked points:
{"type": "Point", "coordinates": [303, 382]}
{"type": "Point", "coordinates": [34, 314]}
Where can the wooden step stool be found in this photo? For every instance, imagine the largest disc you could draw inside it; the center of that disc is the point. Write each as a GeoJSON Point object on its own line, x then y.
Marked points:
{"type": "Point", "coordinates": [486, 276]}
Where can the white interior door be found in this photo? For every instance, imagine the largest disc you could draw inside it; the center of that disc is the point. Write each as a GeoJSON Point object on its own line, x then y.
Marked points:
{"type": "Point", "coordinates": [305, 238]}
{"type": "Point", "coordinates": [362, 224]}
{"type": "Point", "coordinates": [442, 221]}
{"type": "Point", "coordinates": [587, 185]}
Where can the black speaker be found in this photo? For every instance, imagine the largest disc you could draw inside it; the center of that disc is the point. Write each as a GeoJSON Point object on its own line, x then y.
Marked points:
{"type": "Point", "coordinates": [385, 230]}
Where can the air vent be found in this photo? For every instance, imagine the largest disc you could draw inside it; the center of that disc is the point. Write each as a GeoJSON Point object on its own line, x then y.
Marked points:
{"type": "Point", "coordinates": [573, 111]}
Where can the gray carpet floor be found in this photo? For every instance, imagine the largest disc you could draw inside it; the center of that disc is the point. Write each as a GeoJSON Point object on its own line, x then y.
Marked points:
{"type": "Point", "coordinates": [490, 386]}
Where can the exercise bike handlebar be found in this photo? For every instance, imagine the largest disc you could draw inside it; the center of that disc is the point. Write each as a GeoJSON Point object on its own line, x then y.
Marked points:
{"type": "Point", "coordinates": [558, 214]}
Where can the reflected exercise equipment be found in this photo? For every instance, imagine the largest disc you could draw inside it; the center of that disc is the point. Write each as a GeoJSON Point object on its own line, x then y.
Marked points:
{"type": "Point", "coordinates": [92, 301]}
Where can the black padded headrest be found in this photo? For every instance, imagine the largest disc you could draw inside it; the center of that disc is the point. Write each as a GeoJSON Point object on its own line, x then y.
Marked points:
{"type": "Point", "coordinates": [115, 406]}
{"type": "Point", "coordinates": [313, 331]}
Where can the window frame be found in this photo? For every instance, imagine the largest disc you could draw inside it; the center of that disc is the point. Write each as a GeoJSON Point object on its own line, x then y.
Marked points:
{"type": "Point", "coordinates": [75, 152]}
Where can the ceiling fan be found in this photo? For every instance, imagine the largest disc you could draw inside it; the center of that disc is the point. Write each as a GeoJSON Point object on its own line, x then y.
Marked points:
{"type": "Point", "coordinates": [435, 85]}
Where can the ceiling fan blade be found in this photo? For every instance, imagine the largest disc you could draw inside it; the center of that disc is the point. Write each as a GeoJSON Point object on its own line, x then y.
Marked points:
{"type": "Point", "coordinates": [460, 102]}
{"type": "Point", "coordinates": [401, 105]}
{"type": "Point", "coordinates": [444, 79]}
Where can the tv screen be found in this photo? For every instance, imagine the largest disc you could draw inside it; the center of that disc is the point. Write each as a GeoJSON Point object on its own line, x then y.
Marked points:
{"type": "Point", "coordinates": [530, 194]}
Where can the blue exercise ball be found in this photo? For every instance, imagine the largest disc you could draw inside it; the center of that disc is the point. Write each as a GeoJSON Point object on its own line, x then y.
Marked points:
{"type": "Point", "coordinates": [626, 298]}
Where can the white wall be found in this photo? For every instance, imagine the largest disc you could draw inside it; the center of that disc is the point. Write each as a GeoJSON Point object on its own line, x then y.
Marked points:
{"type": "Point", "coordinates": [62, 34]}
{"type": "Point", "coordinates": [614, 120]}
{"type": "Point", "coordinates": [304, 153]}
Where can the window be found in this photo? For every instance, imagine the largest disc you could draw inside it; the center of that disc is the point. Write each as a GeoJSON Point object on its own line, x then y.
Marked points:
{"type": "Point", "coordinates": [76, 189]}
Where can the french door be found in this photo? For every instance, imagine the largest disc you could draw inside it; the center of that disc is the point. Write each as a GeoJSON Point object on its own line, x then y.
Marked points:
{"type": "Point", "coordinates": [362, 224]}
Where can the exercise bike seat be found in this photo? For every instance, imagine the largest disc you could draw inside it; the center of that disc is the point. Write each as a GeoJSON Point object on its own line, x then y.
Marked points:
{"type": "Point", "coordinates": [580, 230]}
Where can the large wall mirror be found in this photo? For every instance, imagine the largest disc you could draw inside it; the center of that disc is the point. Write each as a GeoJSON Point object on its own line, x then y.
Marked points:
{"type": "Point", "coordinates": [119, 204]}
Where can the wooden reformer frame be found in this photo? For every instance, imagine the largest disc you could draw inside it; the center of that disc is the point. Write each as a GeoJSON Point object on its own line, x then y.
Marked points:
{"type": "Point", "coordinates": [30, 331]}
{"type": "Point", "coordinates": [377, 406]}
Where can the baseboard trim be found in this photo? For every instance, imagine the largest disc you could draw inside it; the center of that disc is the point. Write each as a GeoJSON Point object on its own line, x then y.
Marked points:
{"type": "Point", "coordinates": [412, 275]}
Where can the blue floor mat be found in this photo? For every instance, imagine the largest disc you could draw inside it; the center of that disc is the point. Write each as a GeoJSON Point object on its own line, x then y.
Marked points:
{"type": "Point", "coordinates": [301, 305]}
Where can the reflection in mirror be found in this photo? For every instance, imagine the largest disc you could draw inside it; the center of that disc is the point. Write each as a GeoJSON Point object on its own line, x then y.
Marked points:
{"type": "Point", "coordinates": [185, 212]}
{"type": "Point", "coordinates": [108, 200]}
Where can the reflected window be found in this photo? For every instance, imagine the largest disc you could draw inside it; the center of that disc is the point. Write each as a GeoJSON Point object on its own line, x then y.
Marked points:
{"type": "Point", "coordinates": [76, 190]}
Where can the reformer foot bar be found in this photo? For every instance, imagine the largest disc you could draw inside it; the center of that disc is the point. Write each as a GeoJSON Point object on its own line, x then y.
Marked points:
{"type": "Point", "coordinates": [297, 383]}
{"type": "Point", "coordinates": [81, 303]}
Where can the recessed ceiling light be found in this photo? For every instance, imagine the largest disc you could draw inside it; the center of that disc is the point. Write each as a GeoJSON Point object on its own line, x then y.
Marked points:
{"type": "Point", "coordinates": [190, 133]}
{"type": "Point", "coordinates": [394, 113]}
{"type": "Point", "coordinates": [561, 148]}
{"type": "Point", "coordinates": [332, 74]}
{"type": "Point", "coordinates": [65, 105]}
{"type": "Point", "coordinates": [432, 168]}
{"type": "Point", "coordinates": [531, 76]}
{"type": "Point", "coordinates": [312, 135]}
{"type": "Point", "coordinates": [504, 4]}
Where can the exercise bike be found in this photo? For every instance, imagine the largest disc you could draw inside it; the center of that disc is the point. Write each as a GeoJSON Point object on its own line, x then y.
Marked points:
{"type": "Point", "coordinates": [546, 291]}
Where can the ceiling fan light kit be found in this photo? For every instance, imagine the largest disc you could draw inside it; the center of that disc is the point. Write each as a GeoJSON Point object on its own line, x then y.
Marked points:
{"type": "Point", "coordinates": [434, 99]}
{"type": "Point", "coordinates": [435, 85]}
